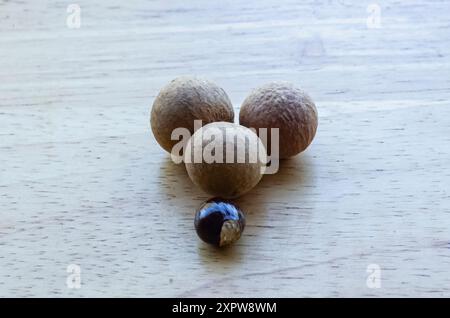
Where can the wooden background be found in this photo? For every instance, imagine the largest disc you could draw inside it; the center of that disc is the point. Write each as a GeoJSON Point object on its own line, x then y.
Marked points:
{"type": "Point", "coordinates": [82, 180]}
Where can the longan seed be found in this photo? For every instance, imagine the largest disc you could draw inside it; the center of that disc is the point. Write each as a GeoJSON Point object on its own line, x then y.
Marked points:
{"type": "Point", "coordinates": [219, 222]}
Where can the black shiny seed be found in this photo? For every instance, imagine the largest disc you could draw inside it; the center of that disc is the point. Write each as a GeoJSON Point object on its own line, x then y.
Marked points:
{"type": "Point", "coordinates": [219, 222]}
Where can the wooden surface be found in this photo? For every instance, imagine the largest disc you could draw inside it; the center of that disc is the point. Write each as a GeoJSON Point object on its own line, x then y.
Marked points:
{"type": "Point", "coordinates": [82, 180]}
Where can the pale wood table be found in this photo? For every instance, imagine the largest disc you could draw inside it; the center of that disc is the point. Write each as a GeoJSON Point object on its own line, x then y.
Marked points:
{"type": "Point", "coordinates": [82, 180]}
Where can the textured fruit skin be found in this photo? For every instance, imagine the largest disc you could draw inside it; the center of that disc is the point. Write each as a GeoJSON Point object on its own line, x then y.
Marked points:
{"type": "Point", "coordinates": [227, 180]}
{"type": "Point", "coordinates": [184, 100]}
{"type": "Point", "coordinates": [281, 105]}
{"type": "Point", "coordinates": [219, 222]}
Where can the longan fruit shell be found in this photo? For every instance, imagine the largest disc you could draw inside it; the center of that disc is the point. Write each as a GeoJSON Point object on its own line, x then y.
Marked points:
{"type": "Point", "coordinates": [184, 100]}
{"type": "Point", "coordinates": [281, 105]}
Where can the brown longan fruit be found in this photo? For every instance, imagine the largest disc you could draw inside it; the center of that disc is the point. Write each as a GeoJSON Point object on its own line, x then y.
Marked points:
{"type": "Point", "coordinates": [281, 105]}
{"type": "Point", "coordinates": [242, 156]}
{"type": "Point", "coordinates": [184, 100]}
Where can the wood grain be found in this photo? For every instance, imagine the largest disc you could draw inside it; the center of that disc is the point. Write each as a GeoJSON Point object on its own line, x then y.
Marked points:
{"type": "Point", "coordinates": [82, 180]}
